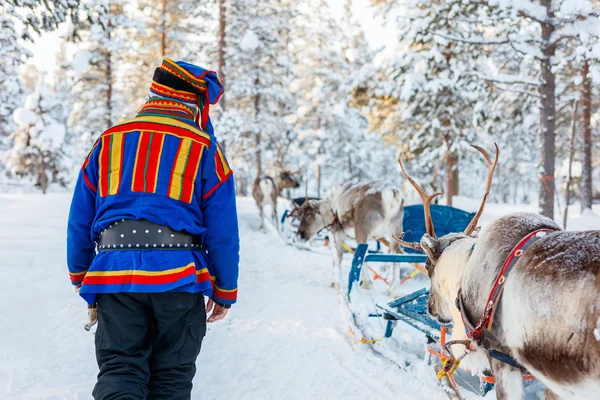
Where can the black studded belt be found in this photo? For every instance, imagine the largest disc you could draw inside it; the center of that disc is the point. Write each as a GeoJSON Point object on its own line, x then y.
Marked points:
{"type": "Point", "coordinates": [145, 235]}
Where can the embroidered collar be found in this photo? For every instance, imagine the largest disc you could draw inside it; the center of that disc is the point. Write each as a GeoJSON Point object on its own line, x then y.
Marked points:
{"type": "Point", "coordinates": [167, 108]}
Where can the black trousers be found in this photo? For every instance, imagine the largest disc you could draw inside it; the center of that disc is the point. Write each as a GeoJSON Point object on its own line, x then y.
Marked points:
{"type": "Point", "coordinates": [147, 345]}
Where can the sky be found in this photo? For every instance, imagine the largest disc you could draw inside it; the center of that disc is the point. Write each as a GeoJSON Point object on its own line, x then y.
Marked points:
{"type": "Point", "coordinates": [378, 33]}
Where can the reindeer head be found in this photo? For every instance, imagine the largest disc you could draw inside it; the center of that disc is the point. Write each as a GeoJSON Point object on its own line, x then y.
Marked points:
{"type": "Point", "coordinates": [311, 219]}
{"type": "Point", "coordinates": [288, 179]}
{"type": "Point", "coordinates": [449, 254]}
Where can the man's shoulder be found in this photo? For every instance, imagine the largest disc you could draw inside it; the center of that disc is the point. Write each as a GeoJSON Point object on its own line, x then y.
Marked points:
{"type": "Point", "coordinates": [159, 124]}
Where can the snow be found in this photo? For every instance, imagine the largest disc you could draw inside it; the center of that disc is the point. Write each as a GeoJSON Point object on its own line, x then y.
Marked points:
{"type": "Point", "coordinates": [250, 41]}
{"type": "Point", "coordinates": [81, 62]}
{"type": "Point", "coordinates": [24, 117]}
{"type": "Point", "coordinates": [285, 339]}
{"type": "Point", "coordinates": [32, 101]}
{"type": "Point", "coordinates": [53, 135]}
{"type": "Point", "coordinates": [589, 220]}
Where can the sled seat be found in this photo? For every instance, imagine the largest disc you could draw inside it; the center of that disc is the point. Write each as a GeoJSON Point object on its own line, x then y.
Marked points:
{"type": "Point", "coordinates": [412, 310]}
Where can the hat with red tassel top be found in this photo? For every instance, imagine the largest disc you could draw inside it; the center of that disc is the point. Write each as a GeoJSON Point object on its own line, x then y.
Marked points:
{"type": "Point", "coordinates": [190, 84]}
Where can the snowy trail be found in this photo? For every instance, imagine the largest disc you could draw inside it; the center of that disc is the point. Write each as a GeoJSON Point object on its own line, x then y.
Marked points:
{"type": "Point", "coordinates": [285, 339]}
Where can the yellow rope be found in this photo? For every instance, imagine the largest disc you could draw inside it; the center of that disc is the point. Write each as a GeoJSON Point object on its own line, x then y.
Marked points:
{"type": "Point", "coordinates": [348, 248]}
{"type": "Point", "coordinates": [449, 372]}
{"type": "Point", "coordinates": [364, 340]}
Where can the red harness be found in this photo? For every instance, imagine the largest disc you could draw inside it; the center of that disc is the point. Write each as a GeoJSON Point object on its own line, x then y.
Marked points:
{"type": "Point", "coordinates": [476, 332]}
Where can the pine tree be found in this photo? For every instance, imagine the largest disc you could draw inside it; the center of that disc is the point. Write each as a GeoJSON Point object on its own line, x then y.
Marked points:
{"type": "Point", "coordinates": [531, 44]}
{"type": "Point", "coordinates": [41, 15]}
{"type": "Point", "coordinates": [334, 134]}
{"type": "Point", "coordinates": [12, 56]}
{"type": "Point", "coordinates": [257, 122]}
{"type": "Point", "coordinates": [97, 92]}
{"type": "Point", "coordinates": [436, 101]}
{"type": "Point", "coordinates": [37, 150]}
{"type": "Point", "coordinates": [172, 29]}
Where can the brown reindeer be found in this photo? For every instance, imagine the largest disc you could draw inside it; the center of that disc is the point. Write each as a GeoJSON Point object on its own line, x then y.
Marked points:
{"type": "Point", "coordinates": [547, 314]}
{"type": "Point", "coordinates": [267, 189]}
{"type": "Point", "coordinates": [359, 210]}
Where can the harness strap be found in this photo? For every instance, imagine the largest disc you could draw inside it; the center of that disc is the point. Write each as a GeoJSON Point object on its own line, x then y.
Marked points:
{"type": "Point", "coordinates": [505, 358]}
{"type": "Point", "coordinates": [476, 332]}
{"type": "Point", "coordinates": [335, 220]}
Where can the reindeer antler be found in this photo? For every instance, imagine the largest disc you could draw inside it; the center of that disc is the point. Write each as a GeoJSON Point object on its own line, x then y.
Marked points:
{"type": "Point", "coordinates": [472, 227]}
{"type": "Point", "coordinates": [424, 196]}
{"type": "Point", "coordinates": [412, 245]}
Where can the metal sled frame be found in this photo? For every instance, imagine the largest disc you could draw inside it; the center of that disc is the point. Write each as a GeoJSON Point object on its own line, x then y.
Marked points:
{"type": "Point", "coordinates": [412, 308]}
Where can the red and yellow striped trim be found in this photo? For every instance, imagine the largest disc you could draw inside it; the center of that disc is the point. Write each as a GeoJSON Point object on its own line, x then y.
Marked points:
{"type": "Point", "coordinates": [202, 275]}
{"type": "Point", "coordinates": [172, 67]}
{"type": "Point", "coordinates": [77, 277]}
{"type": "Point", "coordinates": [147, 162]}
{"type": "Point", "coordinates": [224, 294]}
{"type": "Point", "coordinates": [185, 170]}
{"type": "Point", "coordinates": [139, 276]}
{"type": "Point", "coordinates": [110, 162]}
{"type": "Point", "coordinates": [163, 107]}
{"type": "Point", "coordinates": [162, 125]}
{"type": "Point", "coordinates": [221, 165]}
{"type": "Point", "coordinates": [181, 95]}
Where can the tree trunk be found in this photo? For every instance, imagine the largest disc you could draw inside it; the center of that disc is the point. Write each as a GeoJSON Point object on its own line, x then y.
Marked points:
{"type": "Point", "coordinates": [42, 177]}
{"type": "Point", "coordinates": [318, 161]}
{"type": "Point", "coordinates": [318, 178]}
{"type": "Point", "coordinates": [450, 184]}
{"type": "Point", "coordinates": [221, 44]}
{"type": "Point", "coordinates": [586, 107]}
{"type": "Point", "coordinates": [258, 144]}
{"type": "Point", "coordinates": [547, 118]}
{"type": "Point", "coordinates": [163, 29]}
{"type": "Point", "coordinates": [456, 182]}
{"type": "Point", "coordinates": [571, 156]}
{"type": "Point", "coordinates": [108, 77]}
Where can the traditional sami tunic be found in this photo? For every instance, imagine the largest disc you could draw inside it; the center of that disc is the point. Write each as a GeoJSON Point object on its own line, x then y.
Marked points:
{"type": "Point", "coordinates": [158, 166]}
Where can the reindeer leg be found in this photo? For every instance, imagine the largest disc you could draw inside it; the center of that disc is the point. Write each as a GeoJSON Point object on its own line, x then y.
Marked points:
{"type": "Point", "coordinates": [262, 219]}
{"type": "Point", "coordinates": [274, 216]}
{"type": "Point", "coordinates": [509, 381]}
{"type": "Point", "coordinates": [365, 279]}
{"type": "Point", "coordinates": [337, 249]}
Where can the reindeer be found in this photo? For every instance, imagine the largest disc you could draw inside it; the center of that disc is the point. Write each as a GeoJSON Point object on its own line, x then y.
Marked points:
{"type": "Point", "coordinates": [266, 190]}
{"type": "Point", "coordinates": [362, 211]}
{"type": "Point", "coordinates": [546, 311]}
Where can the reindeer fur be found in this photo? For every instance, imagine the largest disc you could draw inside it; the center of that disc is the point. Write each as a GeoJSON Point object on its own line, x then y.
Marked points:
{"type": "Point", "coordinates": [363, 211]}
{"type": "Point", "coordinates": [548, 312]}
{"type": "Point", "coordinates": [266, 190]}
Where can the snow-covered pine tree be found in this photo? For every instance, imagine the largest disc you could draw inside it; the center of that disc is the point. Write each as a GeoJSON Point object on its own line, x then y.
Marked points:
{"type": "Point", "coordinates": [436, 106]}
{"type": "Point", "coordinates": [97, 92]}
{"type": "Point", "coordinates": [334, 134]}
{"type": "Point", "coordinates": [258, 121]}
{"type": "Point", "coordinates": [12, 56]}
{"type": "Point", "coordinates": [40, 15]}
{"type": "Point", "coordinates": [544, 35]}
{"type": "Point", "coordinates": [166, 28]}
{"type": "Point", "coordinates": [37, 144]}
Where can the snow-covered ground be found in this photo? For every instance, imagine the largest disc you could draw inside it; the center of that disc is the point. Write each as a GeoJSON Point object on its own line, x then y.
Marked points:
{"type": "Point", "coordinates": [285, 339]}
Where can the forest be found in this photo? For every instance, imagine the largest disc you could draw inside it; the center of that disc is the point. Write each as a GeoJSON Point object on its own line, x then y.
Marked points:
{"type": "Point", "coordinates": [307, 88]}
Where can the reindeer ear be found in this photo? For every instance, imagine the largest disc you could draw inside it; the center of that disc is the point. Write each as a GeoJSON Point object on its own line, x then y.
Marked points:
{"type": "Point", "coordinates": [432, 247]}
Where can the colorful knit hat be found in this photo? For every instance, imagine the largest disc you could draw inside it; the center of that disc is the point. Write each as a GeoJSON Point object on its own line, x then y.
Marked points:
{"type": "Point", "coordinates": [189, 84]}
